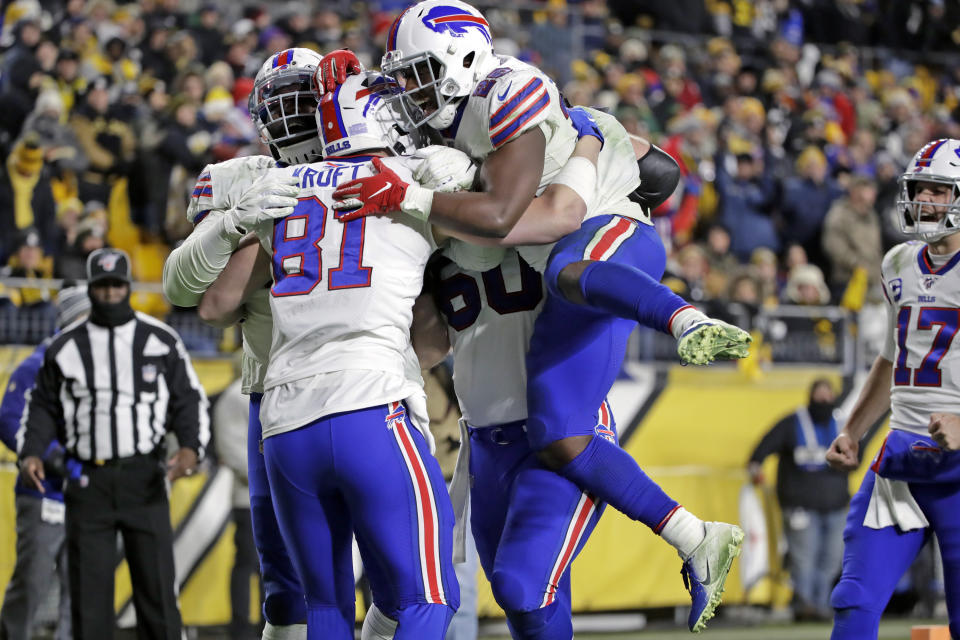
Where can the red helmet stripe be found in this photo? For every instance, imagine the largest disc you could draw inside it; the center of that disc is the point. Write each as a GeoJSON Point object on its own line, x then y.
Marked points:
{"type": "Point", "coordinates": [392, 36]}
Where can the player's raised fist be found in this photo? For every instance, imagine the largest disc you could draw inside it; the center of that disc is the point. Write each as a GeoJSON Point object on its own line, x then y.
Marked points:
{"type": "Point", "coordinates": [334, 69]}
{"type": "Point", "coordinates": [844, 453]}
{"type": "Point", "coordinates": [945, 430]}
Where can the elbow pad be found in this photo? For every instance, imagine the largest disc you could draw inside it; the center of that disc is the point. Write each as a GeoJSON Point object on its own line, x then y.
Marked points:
{"type": "Point", "coordinates": [659, 176]}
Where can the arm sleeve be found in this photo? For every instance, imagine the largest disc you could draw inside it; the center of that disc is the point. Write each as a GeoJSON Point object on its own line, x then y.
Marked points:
{"type": "Point", "coordinates": [193, 266]}
{"type": "Point", "coordinates": [43, 412]}
{"type": "Point", "coordinates": [777, 440]}
{"type": "Point", "coordinates": [230, 416]}
{"type": "Point", "coordinates": [188, 413]}
{"type": "Point", "coordinates": [889, 349]}
{"type": "Point", "coordinates": [15, 399]}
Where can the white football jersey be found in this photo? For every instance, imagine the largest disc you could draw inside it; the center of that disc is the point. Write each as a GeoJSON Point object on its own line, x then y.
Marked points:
{"type": "Point", "coordinates": [216, 191]}
{"type": "Point", "coordinates": [924, 318]}
{"type": "Point", "coordinates": [490, 317]}
{"type": "Point", "coordinates": [342, 302]}
{"type": "Point", "coordinates": [516, 97]}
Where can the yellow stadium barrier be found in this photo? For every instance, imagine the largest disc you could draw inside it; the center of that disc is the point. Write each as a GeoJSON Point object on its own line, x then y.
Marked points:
{"type": "Point", "coordinates": [694, 441]}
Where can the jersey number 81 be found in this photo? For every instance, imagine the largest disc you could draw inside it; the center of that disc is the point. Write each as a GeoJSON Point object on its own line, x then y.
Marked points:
{"type": "Point", "coordinates": [297, 260]}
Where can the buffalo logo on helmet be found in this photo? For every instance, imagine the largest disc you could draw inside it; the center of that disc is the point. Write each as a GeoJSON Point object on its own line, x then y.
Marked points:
{"type": "Point", "coordinates": [455, 21]}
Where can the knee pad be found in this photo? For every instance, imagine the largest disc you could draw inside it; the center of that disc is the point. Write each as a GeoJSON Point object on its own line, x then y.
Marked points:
{"type": "Point", "coordinates": [549, 623]}
{"type": "Point", "coordinates": [513, 592]}
{"type": "Point", "coordinates": [850, 594]}
{"type": "Point", "coordinates": [284, 608]}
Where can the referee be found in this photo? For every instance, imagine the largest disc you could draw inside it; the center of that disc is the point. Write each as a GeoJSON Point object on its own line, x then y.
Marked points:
{"type": "Point", "coordinates": [108, 389]}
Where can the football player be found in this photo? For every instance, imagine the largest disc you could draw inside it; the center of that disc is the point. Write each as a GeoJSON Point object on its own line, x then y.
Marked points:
{"type": "Point", "coordinates": [229, 197]}
{"type": "Point", "coordinates": [600, 280]}
{"type": "Point", "coordinates": [345, 433]}
{"type": "Point", "coordinates": [913, 486]}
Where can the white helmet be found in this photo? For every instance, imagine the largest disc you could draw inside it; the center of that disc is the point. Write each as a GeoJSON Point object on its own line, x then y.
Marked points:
{"type": "Point", "coordinates": [446, 46]}
{"type": "Point", "coordinates": [283, 107]}
{"type": "Point", "coordinates": [359, 116]}
{"type": "Point", "coordinates": [938, 162]}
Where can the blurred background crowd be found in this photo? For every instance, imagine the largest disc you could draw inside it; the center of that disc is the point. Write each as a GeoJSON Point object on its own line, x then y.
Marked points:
{"type": "Point", "coordinates": [790, 120]}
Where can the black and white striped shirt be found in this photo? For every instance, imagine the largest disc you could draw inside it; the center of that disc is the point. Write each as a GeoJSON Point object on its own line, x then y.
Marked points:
{"type": "Point", "coordinates": [112, 392]}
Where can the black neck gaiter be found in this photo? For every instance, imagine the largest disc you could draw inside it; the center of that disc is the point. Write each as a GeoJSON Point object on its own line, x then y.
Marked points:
{"type": "Point", "coordinates": [110, 314]}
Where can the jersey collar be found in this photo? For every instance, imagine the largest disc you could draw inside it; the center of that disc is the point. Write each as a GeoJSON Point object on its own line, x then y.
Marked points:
{"type": "Point", "coordinates": [356, 158]}
{"type": "Point", "coordinates": [926, 267]}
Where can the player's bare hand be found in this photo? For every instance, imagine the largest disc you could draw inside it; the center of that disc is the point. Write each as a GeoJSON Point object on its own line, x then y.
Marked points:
{"type": "Point", "coordinates": [183, 463]}
{"type": "Point", "coordinates": [334, 69]}
{"type": "Point", "coordinates": [378, 194]}
{"type": "Point", "coordinates": [31, 470]}
{"type": "Point", "coordinates": [844, 453]}
{"type": "Point", "coordinates": [945, 430]}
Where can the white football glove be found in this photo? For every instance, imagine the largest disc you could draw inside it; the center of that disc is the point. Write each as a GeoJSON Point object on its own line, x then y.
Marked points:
{"type": "Point", "coordinates": [269, 197]}
{"type": "Point", "coordinates": [444, 169]}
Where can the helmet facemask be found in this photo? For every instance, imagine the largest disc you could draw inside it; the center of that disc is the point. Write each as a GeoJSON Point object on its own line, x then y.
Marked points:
{"type": "Point", "coordinates": [283, 106]}
{"type": "Point", "coordinates": [437, 94]}
{"type": "Point", "coordinates": [939, 220]}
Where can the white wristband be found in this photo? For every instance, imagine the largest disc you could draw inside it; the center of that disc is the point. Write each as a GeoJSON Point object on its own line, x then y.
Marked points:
{"type": "Point", "coordinates": [580, 175]}
{"type": "Point", "coordinates": [417, 201]}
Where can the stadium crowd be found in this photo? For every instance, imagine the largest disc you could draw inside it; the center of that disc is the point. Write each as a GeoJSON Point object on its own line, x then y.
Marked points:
{"type": "Point", "coordinates": [790, 121]}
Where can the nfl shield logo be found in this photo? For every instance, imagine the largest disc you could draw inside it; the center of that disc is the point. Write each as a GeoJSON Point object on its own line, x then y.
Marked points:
{"type": "Point", "coordinates": [108, 261]}
{"type": "Point", "coordinates": [929, 281]}
{"type": "Point", "coordinates": [149, 373]}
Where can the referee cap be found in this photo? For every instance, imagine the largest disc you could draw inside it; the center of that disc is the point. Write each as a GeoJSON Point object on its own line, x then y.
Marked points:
{"type": "Point", "coordinates": [108, 264]}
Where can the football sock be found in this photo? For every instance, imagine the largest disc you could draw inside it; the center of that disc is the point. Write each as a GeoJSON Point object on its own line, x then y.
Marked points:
{"type": "Point", "coordinates": [377, 626]}
{"type": "Point", "coordinates": [630, 293]}
{"type": "Point", "coordinates": [285, 632]}
{"type": "Point", "coordinates": [683, 531]}
{"type": "Point", "coordinates": [611, 474]}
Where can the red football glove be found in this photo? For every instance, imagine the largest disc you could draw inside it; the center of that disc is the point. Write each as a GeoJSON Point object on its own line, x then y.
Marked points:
{"type": "Point", "coordinates": [334, 69]}
{"type": "Point", "coordinates": [374, 195]}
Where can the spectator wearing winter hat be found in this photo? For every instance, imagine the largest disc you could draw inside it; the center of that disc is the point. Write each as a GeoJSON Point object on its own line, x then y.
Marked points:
{"type": "Point", "coordinates": [746, 192]}
{"type": "Point", "coordinates": [28, 261]}
{"type": "Point", "coordinates": [806, 199]}
{"type": "Point", "coordinates": [851, 235]}
{"type": "Point", "coordinates": [806, 286]}
{"type": "Point", "coordinates": [26, 196]}
{"type": "Point", "coordinates": [107, 139]}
